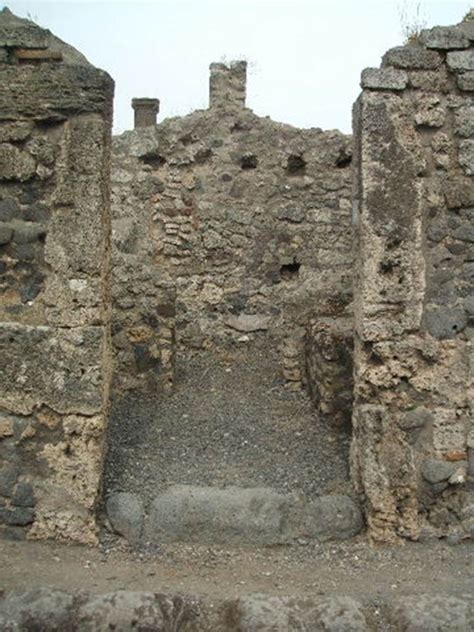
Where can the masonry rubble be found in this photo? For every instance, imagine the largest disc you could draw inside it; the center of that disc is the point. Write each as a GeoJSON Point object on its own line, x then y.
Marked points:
{"type": "Point", "coordinates": [220, 228]}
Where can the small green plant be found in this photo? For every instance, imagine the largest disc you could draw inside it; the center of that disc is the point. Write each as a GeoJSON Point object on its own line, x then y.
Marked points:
{"type": "Point", "coordinates": [412, 21]}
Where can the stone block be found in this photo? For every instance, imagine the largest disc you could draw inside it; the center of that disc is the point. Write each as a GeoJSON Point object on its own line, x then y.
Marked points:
{"type": "Point", "coordinates": [466, 81]}
{"type": "Point", "coordinates": [17, 516]}
{"type": "Point", "coordinates": [430, 80]}
{"type": "Point", "coordinates": [270, 613]}
{"type": "Point", "coordinates": [449, 431]}
{"type": "Point", "coordinates": [59, 368]}
{"type": "Point", "coordinates": [6, 233]}
{"type": "Point", "coordinates": [42, 609]}
{"type": "Point", "coordinates": [35, 55]}
{"type": "Point", "coordinates": [459, 192]}
{"type": "Point", "coordinates": [73, 302]}
{"type": "Point", "coordinates": [27, 232]}
{"type": "Point", "coordinates": [436, 471]}
{"type": "Point", "coordinates": [23, 495]}
{"type": "Point", "coordinates": [384, 79]}
{"type": "Point", "coordinates": [430, 111]}
{"type": "Point", "coordinates": [248, 322]}
{"type": "Point", "coordinates": [8, 478]}
{"type": "Point", "coordinates": [126, 514]}
{"type": "Point", "coordinates": [121, 610]}
{"type": "Point", "coordinates": [466, 157]}
{"type": "Point", "coordinates": [9, 209]}
{"type": "Point", "coordinates": [332, 517]}
{"type": "Point", "coordinates": [464, 121]}
{"type": "Point", "coordinates": [432, 613]}
{"type": "Point", "coordinates": [417, 418]}
{"type": "Point", "coordinates": [53, 92]}
{"type": "Point", "coordinates": [412, 57]}
{"type": "Point", "coordinates": [15, 131]}
{"type": "Point", "coordinates": [444, 322]}
{"type": "Point", "coordinates": [444, 38]}
{"type": "Point", "coordinates": [461, 60]}
{"type": "Point", "coordinates": [209, 514]}
{"type": "Point", "coordinates": [15, 164]}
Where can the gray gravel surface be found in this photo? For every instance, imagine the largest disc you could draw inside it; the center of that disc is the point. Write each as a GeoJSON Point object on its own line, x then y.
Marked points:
{"type": "Point", "coordinates": [230, 421]}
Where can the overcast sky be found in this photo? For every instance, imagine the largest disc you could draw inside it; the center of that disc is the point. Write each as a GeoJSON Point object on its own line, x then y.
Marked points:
{"type": "Point", "coordinates": [305, 56]}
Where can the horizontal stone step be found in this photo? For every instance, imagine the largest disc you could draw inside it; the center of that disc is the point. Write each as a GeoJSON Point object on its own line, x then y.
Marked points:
{"type": "Point", "coordinates": [257, 516]}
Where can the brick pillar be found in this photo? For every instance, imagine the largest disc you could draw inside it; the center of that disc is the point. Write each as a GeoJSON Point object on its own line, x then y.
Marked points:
{"type": "Point", "coordinates": [227, 84]}
{"type": "Point", "coordinates": [146, 111]}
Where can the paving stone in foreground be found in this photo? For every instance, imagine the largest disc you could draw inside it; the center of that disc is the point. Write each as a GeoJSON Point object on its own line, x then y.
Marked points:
{"type": "Point", "coordinates": [40, 609]}
{"type": "Point", "coordinates": [433, 613]}
{"type": "Point", "coordinates": [275, 614]}
{"type": "Point", "coordinates": [45, 610]}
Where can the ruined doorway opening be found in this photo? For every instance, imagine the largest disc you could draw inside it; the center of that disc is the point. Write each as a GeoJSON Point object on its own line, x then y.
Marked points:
{"type": "Point", "coordinates": [230, 271]}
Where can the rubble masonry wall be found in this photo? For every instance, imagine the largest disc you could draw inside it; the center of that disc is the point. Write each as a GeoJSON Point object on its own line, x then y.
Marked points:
{"type": "Point", "coordinates": [225, 225]}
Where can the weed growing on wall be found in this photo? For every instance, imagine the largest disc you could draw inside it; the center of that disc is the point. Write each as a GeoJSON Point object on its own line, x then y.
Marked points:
{"type": "Point", "coordinates": [412, 20]}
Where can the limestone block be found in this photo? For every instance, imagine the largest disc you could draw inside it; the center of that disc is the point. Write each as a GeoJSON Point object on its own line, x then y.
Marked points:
{"type": "Point", "coordinates": [430, 111]}
{"type": "Point", "coordinates": [430, 80]}
{"type": "Point", "coordinates": [217, 515]}
{"type": "Point", "coordinates": [461, 60]}
{"type": "Point", "coordinates": [444, 38]}
{"type": "Point", "coordinates": [15, 164]}
{"type": "Point", "coordinates": [248, 322]}
{"type": "Point", "coordinates": [126, 514]}
{"type": "Point", "coordinates": [269, 613]}
{"type": "Point", "coordinates": [59, 368]}
{"type": "Point", "coordinates": [466, 156]}
{"type": "Point", "coordinates": [73, 302]}
{"type": "Point", "coordinates": [333, 517]}
{"type": "Point", "coordinates": [466, 81]}
{"type": "Point", "coordinates": [412, 56]}
{"type": "Point", "coordinates": [459, 192]}
{"type": "Point", "coordinates": [391, 208]}
{"type": "Point", "coordinates": [53, 91]}
{"type": "Point", "coordinates": [464, 121]}
{"type": "Point", "coordinates": [15, 131]}
{"type": "Point", "coordinates": [449, 430]}
{"type": "Point", "coordinates": [384, 79]}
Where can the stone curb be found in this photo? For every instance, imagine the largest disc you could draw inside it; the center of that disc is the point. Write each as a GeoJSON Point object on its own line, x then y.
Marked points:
{"type": "Point", "coordinates": [54, 610]}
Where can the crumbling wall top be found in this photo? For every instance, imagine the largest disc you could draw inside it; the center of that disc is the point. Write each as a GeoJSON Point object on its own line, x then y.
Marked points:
{"type": "Point", "coordinates": [227, 84]}
{"type": "Point", "coordinates": [26, 42]}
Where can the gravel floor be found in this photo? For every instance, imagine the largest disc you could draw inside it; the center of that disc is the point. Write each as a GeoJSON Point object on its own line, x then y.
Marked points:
{"type": "Point", "coordinates": [230, 421]}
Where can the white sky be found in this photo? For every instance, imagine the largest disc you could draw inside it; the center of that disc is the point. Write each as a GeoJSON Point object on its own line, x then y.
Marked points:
{"type": "Point", "coordinates": [305, 56]}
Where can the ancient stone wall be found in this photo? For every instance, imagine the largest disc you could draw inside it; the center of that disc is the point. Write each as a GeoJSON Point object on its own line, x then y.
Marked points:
{"type": "Point", "coordinates": [225, 225]}
{"type": "Point", "coordinates": [55, 119]}
{"type": "Point", "coordinates": [413, 210]}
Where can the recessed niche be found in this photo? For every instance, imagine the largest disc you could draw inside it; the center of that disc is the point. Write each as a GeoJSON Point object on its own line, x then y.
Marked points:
{"type": "Point", "coordinates": [249, 161]}
{"type": "Point", "coordinates": [296, 165]}
{"type": "Point", "coordinates": [343, 160]}
{"type": "Point", "coordinates": [290, 271]}
{"type": "Point", "coordinates": [153, 160]}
